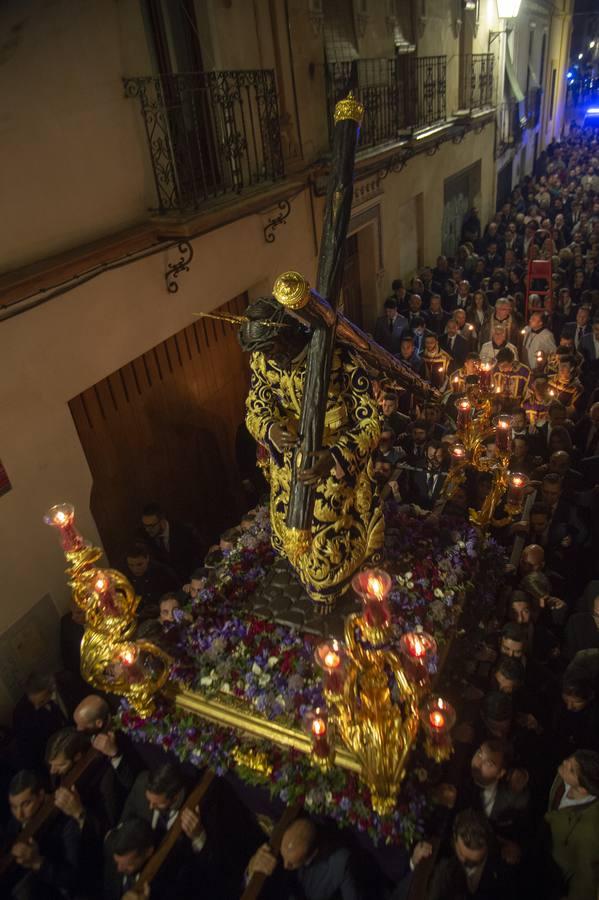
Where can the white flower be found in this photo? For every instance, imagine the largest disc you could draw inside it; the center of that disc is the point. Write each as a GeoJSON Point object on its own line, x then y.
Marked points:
{"type": "Point", "coordinates": [461, 545]}
{"type": "Point", "coordinates": [408, 576]}
{"type": "Point", "coordinates": [272, 661]}
{"type": "Point", "coordinates": [256, 669]}
{"type": "Point", "coordinates": [226, 688]}
{"type": "Point", "coordinates": [263, 680]}
{"type": "Point", "coordinates": [206, 680]}
{"type": "Point", "coordinates": [410, 585]}
{"type": "Point", "coordinates": [438, 592]}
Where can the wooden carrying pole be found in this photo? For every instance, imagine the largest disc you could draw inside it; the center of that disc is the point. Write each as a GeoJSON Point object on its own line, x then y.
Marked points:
{"type": "Point", "coordinates": [49, 810]}
{"type": "Point", "coordinates": [256, 882]}
{"type": "Point", "coordinates": [157, 859]}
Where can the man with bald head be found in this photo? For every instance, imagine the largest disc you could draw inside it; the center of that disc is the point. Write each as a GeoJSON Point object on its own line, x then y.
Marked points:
{"type": "Point", "coordinates": [93, 718]}
{"type": "Point", "coordinates": [311, 862]}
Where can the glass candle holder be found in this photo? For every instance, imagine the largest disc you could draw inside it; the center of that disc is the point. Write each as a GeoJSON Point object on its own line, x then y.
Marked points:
{"type": "Point", "coordinates": [62, 516]}
{"type": "Point", "coordinates": [517, 482]}
{"type": "Point", "coordinates": [458, 454]}
{"type": "Point", "coordinates": [485, 376]}
{"type": "Point", "coordinates": [330, 656]}
{"type": "Point", "coordinates": [438, 717]}
{"type": "Point", "coordinates": [318, 727]}
{"type": "Point", "coordinates": [100, 590]}
{"type": "Point", "coordinates": [373, 586]}
{"type": "Point", "coordinates": [417, 648]}
{"type": "Point", "coordinates": [503, 434]}
{"type": "Point", "coordinates": [464, 408]}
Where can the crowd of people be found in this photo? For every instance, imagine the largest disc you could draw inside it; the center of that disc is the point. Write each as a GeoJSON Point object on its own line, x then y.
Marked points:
{"type": "Point", "coordinates": [523, 819]}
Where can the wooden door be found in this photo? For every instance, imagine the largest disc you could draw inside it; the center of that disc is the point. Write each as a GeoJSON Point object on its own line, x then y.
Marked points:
{"type": "Point", "coordinates": [352, 294]}
{"type": "Point", "coordinates": [163, 428]}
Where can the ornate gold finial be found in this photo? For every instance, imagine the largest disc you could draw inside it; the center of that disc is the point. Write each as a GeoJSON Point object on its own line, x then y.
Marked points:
{"type": "Point", "coordinates": [350, 108]}
{"type": "Point", "coordinates": [291, 290]}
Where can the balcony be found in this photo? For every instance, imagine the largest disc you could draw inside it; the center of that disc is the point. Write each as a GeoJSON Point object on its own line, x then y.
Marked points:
{"type": "Point", "coordinates": [209, 134]}
{"type": "Point", "coordinates": [476, 81]}
{"type": "Point", "coordinates": [400, 95]}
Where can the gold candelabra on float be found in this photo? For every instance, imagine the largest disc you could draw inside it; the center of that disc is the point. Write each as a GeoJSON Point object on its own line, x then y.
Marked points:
{"type": "Point", "coordinates": [476, 426]}
{"type": "Point", "coordinates": [112, 659]}
{"type": "Point", "coordinates": [373, 686]}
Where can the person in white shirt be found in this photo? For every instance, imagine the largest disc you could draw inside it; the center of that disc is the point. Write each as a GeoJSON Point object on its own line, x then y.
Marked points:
{"type": "Point", "coordinates": [537, 338]}
{"type": "Point", "coordinates": [490, 349]}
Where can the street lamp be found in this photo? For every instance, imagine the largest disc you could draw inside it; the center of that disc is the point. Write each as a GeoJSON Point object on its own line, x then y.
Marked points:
{"type": "Point", "coordinates": [506, 9]}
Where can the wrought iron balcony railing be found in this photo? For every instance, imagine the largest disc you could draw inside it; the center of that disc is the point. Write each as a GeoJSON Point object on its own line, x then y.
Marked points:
{"type": "Point", "coordinates": [399, 95]}
{"type": "Point", "coordinates": [209, 133]}
{"type": "Point", "coordinates": [533, 101]}
{"type": "Point", "coordinates": [476, 81]}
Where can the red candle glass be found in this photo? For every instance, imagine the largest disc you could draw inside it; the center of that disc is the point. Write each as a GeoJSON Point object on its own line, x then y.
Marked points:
{"type": "Point", "coordinates": [318, 727]}
{"type": "Point", "coordinates": [464, 408]}
{"type": "Point", "coordinates": [330, 656]}
{"type": "Point", "coordinates": [373, 585]}
{"type": "Point", "coordinates": [458, 454]}
{"type": "Point", "coordinates": [416, 648]}
{"type": "Point", "coordinates": [516, 485]}
{"type": "Point", "coordinates": [485, 376]}
{"type": "Point", "coordinates": [438, 718]}
{"type": "Point", "coordinates": [100, 586]}
{"type": "Point", "coordinates": [62, 516]}
{"type": "Point", "coordinates": [503, 434]}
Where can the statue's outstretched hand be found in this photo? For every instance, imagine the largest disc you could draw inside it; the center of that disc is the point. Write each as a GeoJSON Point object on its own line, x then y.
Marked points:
{"type": "Point", "coordinates": [281, 437]}
{"type": "Point", "coordinates": [323, 463]}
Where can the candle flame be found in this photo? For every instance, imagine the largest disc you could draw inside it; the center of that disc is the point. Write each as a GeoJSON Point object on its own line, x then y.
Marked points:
{"type": "Point", "coordinates": [128, 655]}
{"type": "Point", "coordinates": [331, 660]}
{"type": "Point", "coordinates": [100, 584]}
{"type": "Point", "coordinates": [437, 719]}
{"type": "Point", "coordinates": [60, 517]}
{"type": "Point", "coordinates": [318, 727]}
{"type": "Point", "coordinates": [375, 586]}
{"type": "Point", "coordinates": [517, 481]}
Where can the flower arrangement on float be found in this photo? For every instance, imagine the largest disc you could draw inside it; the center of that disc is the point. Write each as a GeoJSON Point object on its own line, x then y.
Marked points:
{"type": "Point", "coordinates": [272, 668]}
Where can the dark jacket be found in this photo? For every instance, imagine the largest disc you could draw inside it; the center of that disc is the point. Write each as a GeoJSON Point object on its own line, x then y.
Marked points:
{"type": "Point", "coordinates": [60, 846]}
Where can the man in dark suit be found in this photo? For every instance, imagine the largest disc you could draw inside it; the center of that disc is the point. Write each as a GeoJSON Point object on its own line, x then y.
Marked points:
{"type": "Point", "coordinates": [435, 316]}
{"type": "Point", "coordinates": [319, 867]}
{"type": "Point", "coordinates": [490, 792]}
{"type": "Point", "coordinates": [126, 851]}
{"type": "Point", "coordinates": [454, 344]}
{"type": "Point", "coordinates": [586, 433]}
{"type": "Point", "coordinates": [424, 486]}
{"type": "Point", "coordinates": [171, 543]}
{"type": "Point", "coordinates": [389, 326]}
{"type": "Point", "coordinates": [216, 838]}
{"type": "Point", "coordinates": [46, 707]}
{"type": "Point", "coordinates": [590, 343]}
{"type": "Point", "coordinates": [93, 718]}
{"type": "Point", "coordinates": [48, 866]}
{"type": "Point", "coordinates": [150, 578]}
{"type": "Point", "coordinates": [579, 328]}
{"type": "Point", "coordinates": [472, 867]}
{"type": "Point", "coordinates": [98, 789]}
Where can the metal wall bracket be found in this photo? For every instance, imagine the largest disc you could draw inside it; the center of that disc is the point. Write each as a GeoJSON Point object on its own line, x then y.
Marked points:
{"type": "Point", "coordinates": [173, 270]}
{"type": "Point", "coordinates": [275, 221]}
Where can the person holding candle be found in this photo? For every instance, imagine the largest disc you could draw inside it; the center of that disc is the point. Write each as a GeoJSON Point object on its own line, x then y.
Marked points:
{"type": "Point", "coordinates": [437, 362]}
{"type": "Point", "coordinates": [510, 379]}
{"type": "Point", "coordinates": [537, 338]}
{"type": "Point", "coordinates": [568, 389]}
{"type": "Point", "coordinates": [489, 350]}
